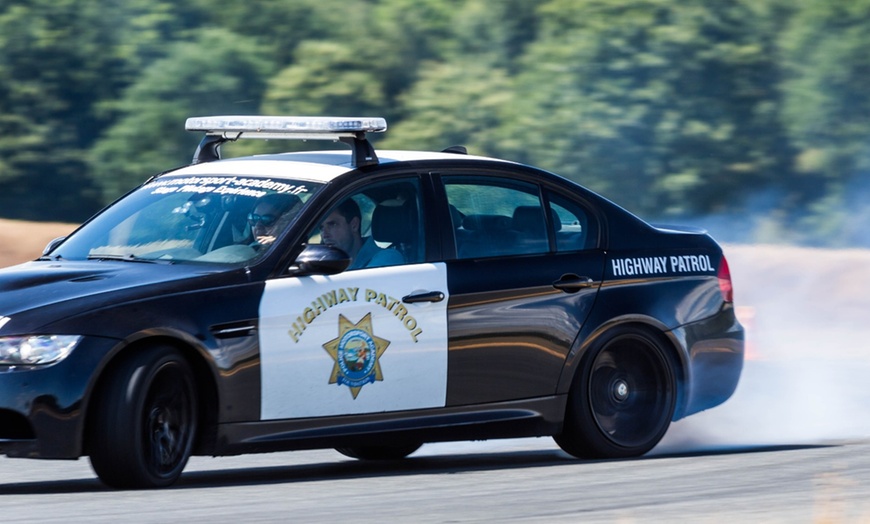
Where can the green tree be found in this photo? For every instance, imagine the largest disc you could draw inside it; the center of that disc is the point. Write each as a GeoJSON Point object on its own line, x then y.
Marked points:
{"type": "Point", "coordinates": [61, 62]}
{"type": "Point", "coordinates": [827, 103]}
{"type": "Point", "coordinates": [48, 72]}
{"type": "Point", "coordinates": [327, 78]}
{"type": "Point", "coordinates": [280, 26]}
{"type": "Point", "coordinates": [217, 72]}
{"type": "Point", "coordinates": [461, 81]}
{"type": "Point", "coordinates": [455, 103]}
{"type": "Point", "coordinates": [493, 34]}
{"type": "Point", "coordinates": [673, 109]}
{"type": "Point", "coordinates": [675, 101]}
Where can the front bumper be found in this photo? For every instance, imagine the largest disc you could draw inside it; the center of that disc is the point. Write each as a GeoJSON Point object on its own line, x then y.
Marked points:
{"type": "Point", "coordinates": [42, 408]}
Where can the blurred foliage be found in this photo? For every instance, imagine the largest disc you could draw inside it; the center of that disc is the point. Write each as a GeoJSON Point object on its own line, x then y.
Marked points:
{"type": "Point", "coordinates": [228, 79]}
{"type": "Point", "coordinates": [752, 113]}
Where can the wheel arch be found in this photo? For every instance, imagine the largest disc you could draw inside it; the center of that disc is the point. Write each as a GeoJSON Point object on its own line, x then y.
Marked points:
{"type": "Point", "coordinates": [675, 350]}
{"type": "Point", "coordinates": [204, 380]}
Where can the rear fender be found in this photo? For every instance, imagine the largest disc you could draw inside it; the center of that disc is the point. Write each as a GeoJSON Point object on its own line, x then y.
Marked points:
{"type": "Point", "coordinates": [590, 335]}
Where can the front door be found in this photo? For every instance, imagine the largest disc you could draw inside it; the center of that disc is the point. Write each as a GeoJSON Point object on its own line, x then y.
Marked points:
{"type": "Point", "coordinates": [370, 339]}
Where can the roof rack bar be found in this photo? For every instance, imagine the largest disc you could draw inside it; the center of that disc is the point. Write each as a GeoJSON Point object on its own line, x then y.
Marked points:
{"type": "Point", "coordinates": [363, 152]}
{"type": "Point", "coordinates": [459, 150]}
{"type": "Point", "coordinates": [209, 149]}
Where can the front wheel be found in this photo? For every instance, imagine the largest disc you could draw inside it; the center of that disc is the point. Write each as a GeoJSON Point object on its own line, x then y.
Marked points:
{"type": "Point", "coordinates": [144, 423]}
{"type": "Point", "coordinates": [623, 398]}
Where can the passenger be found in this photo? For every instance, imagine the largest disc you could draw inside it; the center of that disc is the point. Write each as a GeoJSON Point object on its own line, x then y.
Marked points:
{"type": "Point", "coordinates": [341, 229]}
{"type": "Point", "coordinates": [264, 218]}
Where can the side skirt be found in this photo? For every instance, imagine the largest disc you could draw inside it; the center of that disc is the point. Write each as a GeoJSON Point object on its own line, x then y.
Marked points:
{"type": "Point", "coordinates": [521, 418]}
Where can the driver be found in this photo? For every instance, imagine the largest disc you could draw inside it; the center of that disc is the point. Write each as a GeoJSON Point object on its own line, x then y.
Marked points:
{"type": "Point", "coordinates": [263, 218]}
{"type": "Point", "coordinates": [341, 229]}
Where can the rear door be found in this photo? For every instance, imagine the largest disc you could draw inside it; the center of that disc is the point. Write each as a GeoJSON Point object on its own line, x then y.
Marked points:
{"type": "Point", "coordinates": [523, 279]}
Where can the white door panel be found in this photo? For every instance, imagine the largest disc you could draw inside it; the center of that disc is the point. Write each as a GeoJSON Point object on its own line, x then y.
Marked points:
{"type": "Point", "coordinates": [346, 344]}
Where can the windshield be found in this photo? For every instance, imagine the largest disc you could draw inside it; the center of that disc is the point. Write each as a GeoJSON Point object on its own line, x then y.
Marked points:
{"type": "Point", "coordinates": [217, 219]}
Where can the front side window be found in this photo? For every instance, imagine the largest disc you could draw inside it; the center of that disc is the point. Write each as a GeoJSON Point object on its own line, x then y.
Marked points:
{"type": "Point", "coordinates": [496, 218]}
{"type": "Point", "coordinates": [214, 219]}
{"type": "Point", "coordinates": [377, 226]}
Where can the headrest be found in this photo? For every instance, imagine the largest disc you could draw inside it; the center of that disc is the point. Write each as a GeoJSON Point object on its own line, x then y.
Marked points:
{"type": "Point", "coordinates": [395, 222]}
{"type": "Point", "coordinates": [456, 216]}
{"type": "Point", "coordinates": [554, 218]}
{"type": "Point", "coordinates": [530, 219]}
{"type": "Point", "coordinates": [486, 223]}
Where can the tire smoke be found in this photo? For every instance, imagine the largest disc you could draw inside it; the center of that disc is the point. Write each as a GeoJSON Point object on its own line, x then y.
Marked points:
{"type": "Point", "coordinates": [807, 315]}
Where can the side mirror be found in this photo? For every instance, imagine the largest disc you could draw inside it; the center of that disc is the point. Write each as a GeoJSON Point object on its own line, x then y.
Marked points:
{"type": "Point", "coordinates": [51, 245]}
{"type": "Point", "coordinates": [317, 259]}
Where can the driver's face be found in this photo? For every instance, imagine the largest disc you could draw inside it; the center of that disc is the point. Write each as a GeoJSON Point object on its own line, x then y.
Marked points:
{"type": "Point", "coordinates": [266, 217]}
{"type": "Point", "coordinates": [337, 231]}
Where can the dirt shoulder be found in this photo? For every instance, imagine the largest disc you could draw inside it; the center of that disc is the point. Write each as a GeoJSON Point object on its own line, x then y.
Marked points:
{"type": "Point", "coordinates": [21, 241]}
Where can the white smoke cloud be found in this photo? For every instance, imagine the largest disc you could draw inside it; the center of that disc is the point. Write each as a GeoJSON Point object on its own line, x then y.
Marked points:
{"type": "Point", "coordinates": [807, 312]}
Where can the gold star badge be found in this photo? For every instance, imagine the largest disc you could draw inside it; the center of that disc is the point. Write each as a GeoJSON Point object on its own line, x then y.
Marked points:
{"type": "Point", "coordinates": [356, 352]}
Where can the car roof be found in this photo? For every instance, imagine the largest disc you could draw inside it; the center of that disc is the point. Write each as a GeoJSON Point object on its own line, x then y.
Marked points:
{"type": "Point", "coordinates": [314, 166]}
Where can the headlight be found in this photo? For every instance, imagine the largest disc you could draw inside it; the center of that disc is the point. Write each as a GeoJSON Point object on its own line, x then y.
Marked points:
{"type": "Point", "coordinates": [36, 350]}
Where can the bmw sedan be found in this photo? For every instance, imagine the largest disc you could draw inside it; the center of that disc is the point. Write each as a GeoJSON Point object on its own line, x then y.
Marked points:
{"type": "Point", "coordinates": [362, 300]}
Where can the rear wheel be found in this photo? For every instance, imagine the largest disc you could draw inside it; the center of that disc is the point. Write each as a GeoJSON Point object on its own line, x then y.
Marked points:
{"type": "Point", "coordinates": [379, 452]}
{"type": "Point", "coordinates": [623, 398]}
{"type": "Point", "coordinates": [144, 423]}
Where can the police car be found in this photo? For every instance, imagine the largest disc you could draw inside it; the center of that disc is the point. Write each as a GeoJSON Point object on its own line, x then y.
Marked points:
{"type": "Point", "coordinates": [367, 301]}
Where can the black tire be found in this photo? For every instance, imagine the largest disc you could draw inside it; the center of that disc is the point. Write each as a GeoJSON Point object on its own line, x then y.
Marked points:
{"type": "Point", "coordinates": [142, 430]}
{"type": "Point", "coordinates": [623, 397]}
{"type": "Point", "coordinates": [396, 452]}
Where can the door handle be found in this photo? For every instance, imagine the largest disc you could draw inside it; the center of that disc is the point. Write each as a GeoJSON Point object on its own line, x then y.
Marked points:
{"type": "Point", "coordinates": [431, 296]}
{"type": "Point", "coordinates": [570, 283]}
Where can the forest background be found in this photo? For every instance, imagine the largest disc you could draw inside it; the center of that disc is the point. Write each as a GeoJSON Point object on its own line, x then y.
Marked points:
{"type": "Point", "coordinates": [748, 117]}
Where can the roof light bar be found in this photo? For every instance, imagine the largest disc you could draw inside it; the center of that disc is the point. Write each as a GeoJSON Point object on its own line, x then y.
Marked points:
{"type": "Point", "coordinates": [308, 127]}
{"type": "Point", "coordinates": [351, 130]}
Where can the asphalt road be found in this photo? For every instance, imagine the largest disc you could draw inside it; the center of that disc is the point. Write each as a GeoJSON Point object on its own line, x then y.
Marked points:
{"type": "Point", "coordinates": [768, 455]}
{"type": "Point", "coordinates": [516, 481]}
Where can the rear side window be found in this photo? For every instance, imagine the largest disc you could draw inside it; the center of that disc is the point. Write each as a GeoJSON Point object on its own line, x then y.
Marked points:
{"type": "Point", "coordinates": [496, 217]}
{"type": "Point", "coordinates": [574, 228]}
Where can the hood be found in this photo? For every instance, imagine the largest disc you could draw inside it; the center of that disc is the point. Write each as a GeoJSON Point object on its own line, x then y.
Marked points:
{"type": "Point", "coordinates": [53, 289]}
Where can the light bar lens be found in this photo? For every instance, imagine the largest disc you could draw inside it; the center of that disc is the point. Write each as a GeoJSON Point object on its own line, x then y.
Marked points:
{"type": "Point", "coordinates": [286, 124]}
{"type": "Point", "coordinates": [36, 349]}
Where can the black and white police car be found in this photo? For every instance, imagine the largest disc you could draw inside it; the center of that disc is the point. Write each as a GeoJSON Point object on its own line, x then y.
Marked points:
{"type": "Point", "coordinates": [368, 301]}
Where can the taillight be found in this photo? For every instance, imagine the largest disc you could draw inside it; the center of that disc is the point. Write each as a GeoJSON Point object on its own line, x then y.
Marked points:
{"type": "Point", "coordinates": [725, 286]}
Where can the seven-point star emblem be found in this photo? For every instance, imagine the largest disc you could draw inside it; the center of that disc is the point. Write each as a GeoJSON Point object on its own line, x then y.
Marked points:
{"type": "Point", "coordinates": [356, 352]}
